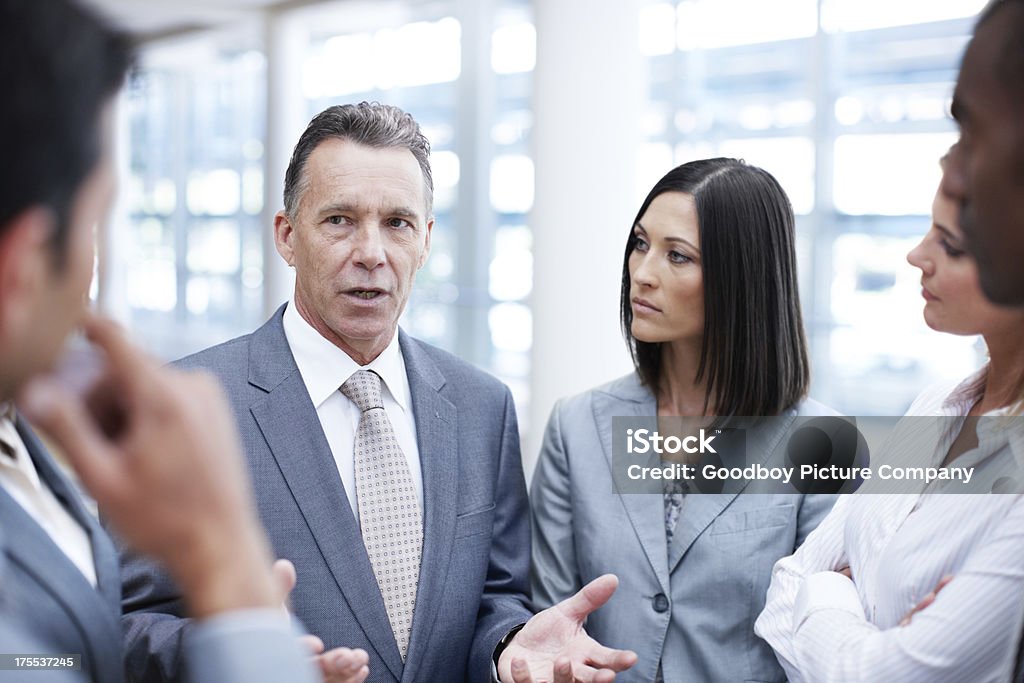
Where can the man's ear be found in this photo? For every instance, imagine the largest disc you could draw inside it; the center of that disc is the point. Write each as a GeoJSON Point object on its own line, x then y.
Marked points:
{"type": "Point", "coordinates": [26, 264]}
{"type": "Point", "coordinates": [283, 233]}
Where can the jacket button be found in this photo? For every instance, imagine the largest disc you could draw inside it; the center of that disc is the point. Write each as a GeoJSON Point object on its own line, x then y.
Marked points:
{"type": "Point", "coordinates": [660, 603]}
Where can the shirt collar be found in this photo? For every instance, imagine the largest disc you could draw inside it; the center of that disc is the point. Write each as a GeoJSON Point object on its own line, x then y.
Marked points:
{"type": "Point", "coordinates": [8, 433]}
{"type": "Point", "coordinates": [19, 458]}
{"type": "Point", "coordinates": [325, 367]}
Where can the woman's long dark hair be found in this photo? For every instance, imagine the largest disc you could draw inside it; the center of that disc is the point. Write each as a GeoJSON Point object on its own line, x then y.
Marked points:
{"type": "Point", "coordinates": [753, 356]}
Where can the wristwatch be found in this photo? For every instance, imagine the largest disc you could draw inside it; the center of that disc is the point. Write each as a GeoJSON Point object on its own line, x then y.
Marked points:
{"type": "Point", "coordinates": [503, 643]}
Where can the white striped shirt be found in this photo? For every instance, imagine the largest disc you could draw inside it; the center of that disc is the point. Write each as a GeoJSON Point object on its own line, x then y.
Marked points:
{"type": "Point", "coordinates": [825, 627]}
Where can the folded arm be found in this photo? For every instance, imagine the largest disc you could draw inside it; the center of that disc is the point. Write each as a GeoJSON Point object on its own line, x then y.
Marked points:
{"type": "Point", "coordinates": [969, 632]}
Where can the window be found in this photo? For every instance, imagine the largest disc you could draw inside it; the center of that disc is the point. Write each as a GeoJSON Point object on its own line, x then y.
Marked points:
{"type": "Point", "coordinates": [849, 111]}
{"type": "Point", "coordinates": [197, 229]}
{"type": "Point", "coordinates": [190, 271]}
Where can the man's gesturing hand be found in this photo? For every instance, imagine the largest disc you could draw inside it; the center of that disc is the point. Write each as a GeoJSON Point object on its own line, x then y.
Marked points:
{"type": "Point", "coordinates": [553, 646]}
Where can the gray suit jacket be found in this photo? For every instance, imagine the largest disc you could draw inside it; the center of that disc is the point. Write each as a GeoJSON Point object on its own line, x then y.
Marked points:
{"type": "Point", "coordinates": [690, 606]}
{"type": "Point", "coordinates": [1018, 670]}
{"type": "Point", "coordinates": [45, 595]}
{"type": "Point", "coordinates": [14, 639]}
{"type": "Point", "coordinates": [473, 584]}
{"type": "Point", "coordinates": [48, 608]}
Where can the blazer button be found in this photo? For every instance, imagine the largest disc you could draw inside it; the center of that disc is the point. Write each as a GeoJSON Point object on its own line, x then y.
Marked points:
{"type": "Point", "coordinates": [660, 603]}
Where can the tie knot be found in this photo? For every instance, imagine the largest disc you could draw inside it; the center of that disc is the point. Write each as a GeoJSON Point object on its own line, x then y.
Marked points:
{"type": "Point", "coordinates": [363, 388]}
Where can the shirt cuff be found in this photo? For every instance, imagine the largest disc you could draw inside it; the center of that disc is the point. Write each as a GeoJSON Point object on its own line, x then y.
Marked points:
{"type": "Point", "coordinates": [248, 645]}
{"type": "Point", "coordinates": [502, 644]}
{"type": "Point", "coordinates": [826, 590]}
{"type": "Point", "coordinates": [241, 620]}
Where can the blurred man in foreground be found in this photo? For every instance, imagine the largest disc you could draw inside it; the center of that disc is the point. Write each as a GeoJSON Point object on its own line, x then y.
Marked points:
{"type": "Point", "coordinates": [157, 448]}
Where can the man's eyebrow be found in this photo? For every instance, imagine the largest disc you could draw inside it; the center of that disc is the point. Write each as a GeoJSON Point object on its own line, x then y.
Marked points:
{"type": "Point", "coordinates": [345, 207]}
{"type": "Point", "coordinates": [401, 212]}
{"type": "Point", "coordinates": [335, 208]}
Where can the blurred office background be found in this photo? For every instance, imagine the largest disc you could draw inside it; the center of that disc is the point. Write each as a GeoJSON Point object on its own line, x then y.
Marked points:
{"type": "Point", "coordinates": [549, 120]}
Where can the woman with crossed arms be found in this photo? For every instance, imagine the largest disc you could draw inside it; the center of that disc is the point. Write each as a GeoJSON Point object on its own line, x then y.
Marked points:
{"type": "Point", "coordinates": [924, 586]}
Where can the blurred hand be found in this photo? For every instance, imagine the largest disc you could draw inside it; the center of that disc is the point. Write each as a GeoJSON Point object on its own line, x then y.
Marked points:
{"type": "Point", "coordinates": [553, 646]}
{"type": "Point", "coordinates": [285, 579]}
{"type": "Point", "coordinates": [158, 450]}
{"type": "Point", "coordinates": [340, 665]}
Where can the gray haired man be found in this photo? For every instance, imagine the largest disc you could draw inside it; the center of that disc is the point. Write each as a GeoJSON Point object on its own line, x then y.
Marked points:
{"type": "Point", "coordinates": [386, 470]}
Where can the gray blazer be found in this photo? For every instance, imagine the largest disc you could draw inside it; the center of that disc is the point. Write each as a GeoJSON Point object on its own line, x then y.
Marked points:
{"type": "Point", "coordinates": [14, 639]}
{"type": "Point", "coordinates": [473, 585]}
{"type": "Point", "coordinates": [48, 608]}
{"type": "Point", "coordinates": [44, 593]}
{"type": "Point", "coordinates": [690, 606]}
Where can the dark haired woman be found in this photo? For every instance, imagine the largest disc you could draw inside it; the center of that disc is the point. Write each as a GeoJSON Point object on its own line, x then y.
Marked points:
{"type": "Point", "coordinates": [711, 313]}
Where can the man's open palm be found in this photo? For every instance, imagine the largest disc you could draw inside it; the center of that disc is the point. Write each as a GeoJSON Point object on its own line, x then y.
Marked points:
{"type": "Point", "coordinates": [553, 646]}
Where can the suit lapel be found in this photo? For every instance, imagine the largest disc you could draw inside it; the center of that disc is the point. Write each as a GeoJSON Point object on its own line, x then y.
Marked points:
{"type": "Point", "coordinates": [700, 510]}
{"type": "Point", "coordinates": [436, 438]}
{"type": "Point", "coordinates": [104, 555]}
{"type": "Point", "coordinates": [31, 547]}
{"type": "Point", "coordinates": [289, 423]}
{"type": "Point", "coordinates": [646, 511]}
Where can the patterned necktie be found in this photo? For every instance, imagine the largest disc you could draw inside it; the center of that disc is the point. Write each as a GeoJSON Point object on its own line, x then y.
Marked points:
{"type": "Point", "coordinates": [389, 511]}
{"type": "Point", "coordinates": [675, 490]}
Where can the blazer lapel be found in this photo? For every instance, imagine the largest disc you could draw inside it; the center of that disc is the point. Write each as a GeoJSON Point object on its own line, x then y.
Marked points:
{"type": "Point", "coordinates": [700, 510]}
{"type": "Point", "coordinates": [32, 548]}
{"type": "Point", "coordinates": [288, 421]}
{"type": "Point", "coordinates": [104, 555]}
{"type": "Point", "coordinates": [436, 438]}
{"type": "Point", "coordinates": [646, 511]}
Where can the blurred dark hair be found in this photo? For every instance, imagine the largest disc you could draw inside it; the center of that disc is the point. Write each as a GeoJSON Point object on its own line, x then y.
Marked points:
{"type": "Point", "coordinates": [753, 356]}
{"type": "Point", "coordinates": [59, 65]}
{"type": "Point", "coordinates": [1010, 67]}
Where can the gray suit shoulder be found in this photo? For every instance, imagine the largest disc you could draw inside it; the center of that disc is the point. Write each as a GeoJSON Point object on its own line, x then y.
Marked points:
{"type": "Point", "coordinates": [227, 361]}
{"type": "Point", "coordinates": [461, 374]}
{"type": "Point", "coordinates": [626, 388]}
{"type": "Point", "coordinates": [629, 388]}
{"type": "Point", "coordinates": [220, 355]}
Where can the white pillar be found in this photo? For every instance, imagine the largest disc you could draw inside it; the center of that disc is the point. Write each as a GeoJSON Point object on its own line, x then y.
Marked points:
{"type": "Point", "coordinates": [286, 39]}
{"type": "Point", "coordinates": [589, 94]}
{"type": "Point", "coordinates": [114, 233]}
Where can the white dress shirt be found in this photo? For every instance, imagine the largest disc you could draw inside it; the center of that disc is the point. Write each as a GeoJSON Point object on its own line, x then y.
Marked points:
{"type": "Point", "coordinates": [825, 627]}
{"type": "Point", "coordinates": [324, 368]}
{"type": "Point", "coordinates": [19, 478]}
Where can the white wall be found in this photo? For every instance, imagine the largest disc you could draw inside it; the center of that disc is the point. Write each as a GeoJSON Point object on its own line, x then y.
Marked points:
{"type": "Point", "coordinates": [588, 100]}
